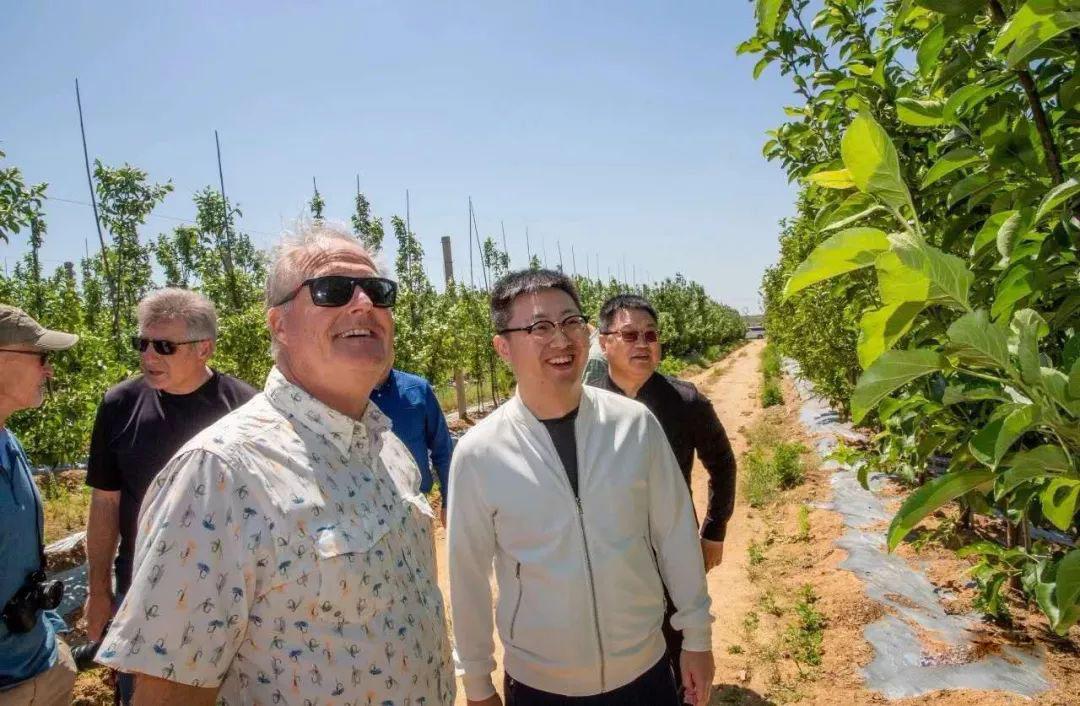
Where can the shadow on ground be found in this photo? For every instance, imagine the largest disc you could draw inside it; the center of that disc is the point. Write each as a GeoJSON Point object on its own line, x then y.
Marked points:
{"type": "Point", "coordinates": [725, 694]}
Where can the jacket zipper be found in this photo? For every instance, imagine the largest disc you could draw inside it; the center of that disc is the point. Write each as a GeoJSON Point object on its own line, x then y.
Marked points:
{"type": "Point", "coordinates": [592, 590]}
{"type": "Point", "coordinates": [517, 606]}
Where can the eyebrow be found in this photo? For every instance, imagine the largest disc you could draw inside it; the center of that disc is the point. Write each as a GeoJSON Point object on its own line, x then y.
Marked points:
{"type": "Point", "coordinates": [541, 316]}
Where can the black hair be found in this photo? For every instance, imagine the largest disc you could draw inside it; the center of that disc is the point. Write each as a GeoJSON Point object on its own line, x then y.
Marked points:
{"type": "Point", "coordinates": [514, 284]}
{"type": "Point", "coordinates": [624, 301]}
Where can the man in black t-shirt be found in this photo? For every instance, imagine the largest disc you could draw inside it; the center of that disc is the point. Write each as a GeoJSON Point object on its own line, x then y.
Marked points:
{"type": "Point", "coordinates": [140, 424]}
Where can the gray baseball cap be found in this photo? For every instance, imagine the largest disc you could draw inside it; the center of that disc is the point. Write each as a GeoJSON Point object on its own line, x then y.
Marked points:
{"type": "Point", "coordinates": [17, 328]}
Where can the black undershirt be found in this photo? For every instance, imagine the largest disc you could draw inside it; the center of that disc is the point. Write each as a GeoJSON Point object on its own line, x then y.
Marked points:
{"type": "Point", "coordinates": [561, 430]}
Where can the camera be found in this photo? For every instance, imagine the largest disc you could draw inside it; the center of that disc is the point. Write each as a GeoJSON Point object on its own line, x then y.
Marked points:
{"type": "Point", "coordinates": [36, 594]}
{"type": "Point", "coordinates": [84, 656]}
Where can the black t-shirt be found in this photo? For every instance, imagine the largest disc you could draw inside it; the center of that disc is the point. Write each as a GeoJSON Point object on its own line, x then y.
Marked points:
{"type": "Point", "coordinates": [137, 431]}
{"type": "Point", "coordinates": [562, 435]}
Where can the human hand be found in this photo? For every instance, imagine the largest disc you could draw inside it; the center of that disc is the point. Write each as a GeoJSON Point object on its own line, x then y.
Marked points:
{"type": "Point", "coordinates": [492, 700]}
{"type": "Point", "coordinates": [713, 552]}
{"type": "Point", "coordinates": [697, 674]}
{"type": "Point", "coordinates": [97, 612]}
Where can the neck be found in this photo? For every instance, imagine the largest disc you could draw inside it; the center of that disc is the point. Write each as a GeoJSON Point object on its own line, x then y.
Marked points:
{"type": "Point", "coordinates": [350, 402]}
{"type": "Point", "coordinates": [550, 404]}
{"type": "Point", "coordinates": [188, 386]}
{"type": "Point", "coordinates": [630, 384]}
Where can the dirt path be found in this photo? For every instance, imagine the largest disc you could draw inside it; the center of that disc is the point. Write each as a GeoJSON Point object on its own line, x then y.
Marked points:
{"type": "Point", "coordinates": [732, 385]}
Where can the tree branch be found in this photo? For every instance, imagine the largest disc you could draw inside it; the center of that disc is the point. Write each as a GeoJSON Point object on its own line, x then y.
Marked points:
{"type": "Point", "coordinates": [1042, 125]}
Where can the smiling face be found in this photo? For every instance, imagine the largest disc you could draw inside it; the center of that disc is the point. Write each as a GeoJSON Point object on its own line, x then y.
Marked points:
{"type": "Point", "coordinates": [185, 369]}
{"type": "Point", "coordinates": [22, 379]}
{"type": "Point", "coordinates": [338, 353]}
{"type": "Point", "coordinates": [631, 361]}
{"type": "Point", "coordinates": [547, 372]}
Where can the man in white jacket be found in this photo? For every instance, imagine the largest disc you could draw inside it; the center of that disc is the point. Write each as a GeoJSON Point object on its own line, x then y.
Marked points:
{"type": "Point", "coordinates": [577, 497]}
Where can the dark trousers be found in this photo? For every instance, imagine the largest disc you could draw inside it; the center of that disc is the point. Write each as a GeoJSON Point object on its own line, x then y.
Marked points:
{"type": "Point", "coordinates": [673, 638]}
{"type": "Point", "coordinates": [655, 687]}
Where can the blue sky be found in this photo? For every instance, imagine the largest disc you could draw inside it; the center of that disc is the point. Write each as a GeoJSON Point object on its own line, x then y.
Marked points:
{"type": "Point", "coordinates": [622, 129]}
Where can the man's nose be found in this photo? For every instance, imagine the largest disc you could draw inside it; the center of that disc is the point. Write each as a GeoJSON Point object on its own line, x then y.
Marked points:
{"type": "Point", "coordinates": [360, 301]}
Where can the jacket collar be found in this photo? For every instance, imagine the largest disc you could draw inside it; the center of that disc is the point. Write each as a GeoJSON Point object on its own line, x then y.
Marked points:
{"type": "Point", "coordinates": [296, 403]}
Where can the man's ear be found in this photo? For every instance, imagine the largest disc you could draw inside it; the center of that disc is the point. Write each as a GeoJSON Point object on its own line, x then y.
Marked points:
{"type": "Point", "coordinates": [276, 323]}
{"type": "Point", "coordinates": [502, 347]}
{"type": "Point", "coordinates": [602, 339]}
{"type": "Point", "coordinates": [206, 349]}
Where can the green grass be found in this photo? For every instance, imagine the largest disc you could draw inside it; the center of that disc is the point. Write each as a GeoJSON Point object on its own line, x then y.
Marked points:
{"type": "Point", "coordinates": [803, 532]}
{"type": "Point", "coordinates": [771, 392]}
{"type": "Point", "coordinates": [803, 637]}
{"type": "Point", "coordinates": [67, 503]}
{"type": "Point", "coordinates": [769, 469]}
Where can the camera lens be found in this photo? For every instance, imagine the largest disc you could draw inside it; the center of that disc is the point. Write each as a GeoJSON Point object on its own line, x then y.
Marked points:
{"type": "Point", "coordinates": [51, 594]}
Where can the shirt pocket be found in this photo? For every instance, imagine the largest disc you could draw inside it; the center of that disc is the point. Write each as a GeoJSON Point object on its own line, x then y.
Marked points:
{"type": "Point", "coordinates": [354, 566]}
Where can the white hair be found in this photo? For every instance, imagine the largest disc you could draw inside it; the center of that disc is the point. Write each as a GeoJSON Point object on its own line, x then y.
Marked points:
{"type": "Point", "coordinates": [287, 259]}
{"type": "Point", "coordinates": [172, 303]}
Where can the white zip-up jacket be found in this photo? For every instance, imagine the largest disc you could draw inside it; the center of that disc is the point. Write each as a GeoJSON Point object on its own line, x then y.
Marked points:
{"type": "Point", "coordinates": [581, 602]}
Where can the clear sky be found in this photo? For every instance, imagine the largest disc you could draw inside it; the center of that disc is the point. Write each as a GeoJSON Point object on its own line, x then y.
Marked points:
{"type": "Point", "coordinates": [622, 129]}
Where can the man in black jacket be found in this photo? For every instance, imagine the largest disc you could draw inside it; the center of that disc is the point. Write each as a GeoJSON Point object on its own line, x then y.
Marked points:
{"type": "Point", "coordinates": [630, 340]}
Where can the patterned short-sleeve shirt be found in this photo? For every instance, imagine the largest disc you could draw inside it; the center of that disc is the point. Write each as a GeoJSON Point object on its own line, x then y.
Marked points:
{"type": "Point", "coordinates": [285, 556]}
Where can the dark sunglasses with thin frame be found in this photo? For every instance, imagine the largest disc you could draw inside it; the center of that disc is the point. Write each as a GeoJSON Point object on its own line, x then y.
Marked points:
{"type": "Point", "coordinates": [650, 336]}
{"type": "Point", "coordinates": [161, 347]}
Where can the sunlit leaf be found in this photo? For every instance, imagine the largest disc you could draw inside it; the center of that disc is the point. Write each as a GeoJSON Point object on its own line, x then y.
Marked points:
{"type": "Point", "coordinates": [871, 158]}
{"type": "Point", "coordinates": [891, 371]}
{"type": "Point", "coordinates": [932, 496]}
{"type": "Point", "coordinates": [848, 250]}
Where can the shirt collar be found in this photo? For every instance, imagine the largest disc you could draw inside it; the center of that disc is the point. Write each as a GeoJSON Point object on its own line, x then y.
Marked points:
{"type": "Point", "coordinates": [645, 388]}
{"type": "Point", "coordinates": [298, 404]}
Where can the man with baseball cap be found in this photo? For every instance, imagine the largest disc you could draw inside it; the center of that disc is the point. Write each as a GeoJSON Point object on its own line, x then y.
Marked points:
{"type": "Point", "coordinates": [35, 665]}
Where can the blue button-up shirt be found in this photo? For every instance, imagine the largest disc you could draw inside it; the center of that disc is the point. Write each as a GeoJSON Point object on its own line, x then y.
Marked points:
{"type": "Point", "coordinates": [413, 408]}
{"type": "Point", "coordinates": [25, 655]}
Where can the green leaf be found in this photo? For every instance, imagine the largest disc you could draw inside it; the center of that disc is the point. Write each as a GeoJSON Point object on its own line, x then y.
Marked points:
{"type": "Point", "coordinates": [899, 283]}
{"type": "Point", "coordinates": [848, 250]}
{"type": "Point", "coordinates": [1059, 501]}
{"type": "Point", "coordinates": [1069, 94]}
{"type": "Point", "coordinates": [1039, 463]}
{"type": "Point", "coordinates": [966, 187]}
{"type": "Point", "coordinates": [1040, 33]}
{"type": "Point", "coordinates": [1007, 424]}
{"type": "Point", "coordinates": [880, 329]}
{"type": "Point", "coordinates": [836, 179]}
{"type": "Point", "coordinates": [989, 232]}
{"type": "Point", "coordinates": [958, 394]}
{"type": "Point", "coordinates": [890, 372]}
{"type": "Point", "coordinates": [977, 342]}
{"type": "Point", "coordinates": [933, 495]}
{"type": "Point", "coordinates": [1028, 328]}
{"type": "Point", "coordinates": [761, 65]}
{"type": "Point", "coordinates": [952, 7]}
{"type": "Point", "coordinates": [930, 49]}
{"type": "Point", "coordinates": [767, 13]}
{"type": "Point", "coordinates": [1018, 283]}
{"type": "Point", "coordinates": [1074, 380]}
{"type": "Point", "coordinates": [871, 158]}
{"type": "Point", "coordinates": [1012, 229]}
{"type": "Point", "coordinates": [1056, 384]}
{"type": "Point", "coordinates": [949, 163]}
{"type": "Point", "coordinates": [950, 279]}
{"type": "Point", "coordinates": [1055, 197]}
{"type": "Point", "coordinates": [920, 113]}
{"type": "Point", "coordinates": [1068, 580]}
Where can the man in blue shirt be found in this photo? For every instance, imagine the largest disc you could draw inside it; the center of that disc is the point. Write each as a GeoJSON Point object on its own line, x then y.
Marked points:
{"type": "Point", "coordinates": [35, 665]}
{"type": "Point", "coordinates": [411, 404]}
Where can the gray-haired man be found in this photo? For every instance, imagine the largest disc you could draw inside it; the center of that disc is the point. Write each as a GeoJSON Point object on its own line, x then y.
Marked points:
{"type": "Point", "coordinates": [285, 555]}
{"type": "Point", "coordinates": [140, 424]}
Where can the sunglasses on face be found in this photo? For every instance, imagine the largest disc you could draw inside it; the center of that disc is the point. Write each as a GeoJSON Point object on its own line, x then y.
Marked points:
{"type": "Point", "coordinates": [650, 336]}
{"type": "Point", "coordinates": [337, 290]}
{"type": "Point", "coordinates": [42, 355]}
{"type": "Point", "coordinates": [161, 347]}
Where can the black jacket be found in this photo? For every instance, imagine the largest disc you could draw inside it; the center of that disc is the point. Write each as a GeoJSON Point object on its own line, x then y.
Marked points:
{"type": "Point", "coordinates": [690, 422]}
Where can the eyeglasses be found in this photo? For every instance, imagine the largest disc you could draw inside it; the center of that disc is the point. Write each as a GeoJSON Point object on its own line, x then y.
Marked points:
{"type": "Point", "coordinates": [337, 290]}
{"type": "Point", "coordinates": [650, 336]}
{"type": "Point", "coordinates": [574, 326]}
{"type": "Point", "coordinates": [161, 347]}
{"type": "Point", "coordinates": [43, 356]}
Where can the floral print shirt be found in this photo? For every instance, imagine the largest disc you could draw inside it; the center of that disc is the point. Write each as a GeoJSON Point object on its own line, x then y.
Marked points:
{"type": "Point", "coordinates": [286, 556]}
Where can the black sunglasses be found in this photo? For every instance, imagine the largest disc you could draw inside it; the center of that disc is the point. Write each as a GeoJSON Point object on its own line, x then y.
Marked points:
{"type": "Point", "coordinates": [632, 336]}
{"type": "Point", "coordinates": [43, 356]}
{"type": "Point", "coordinates": [337, 290]}
{"type": "Point", "coordinates": [161, 347]}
